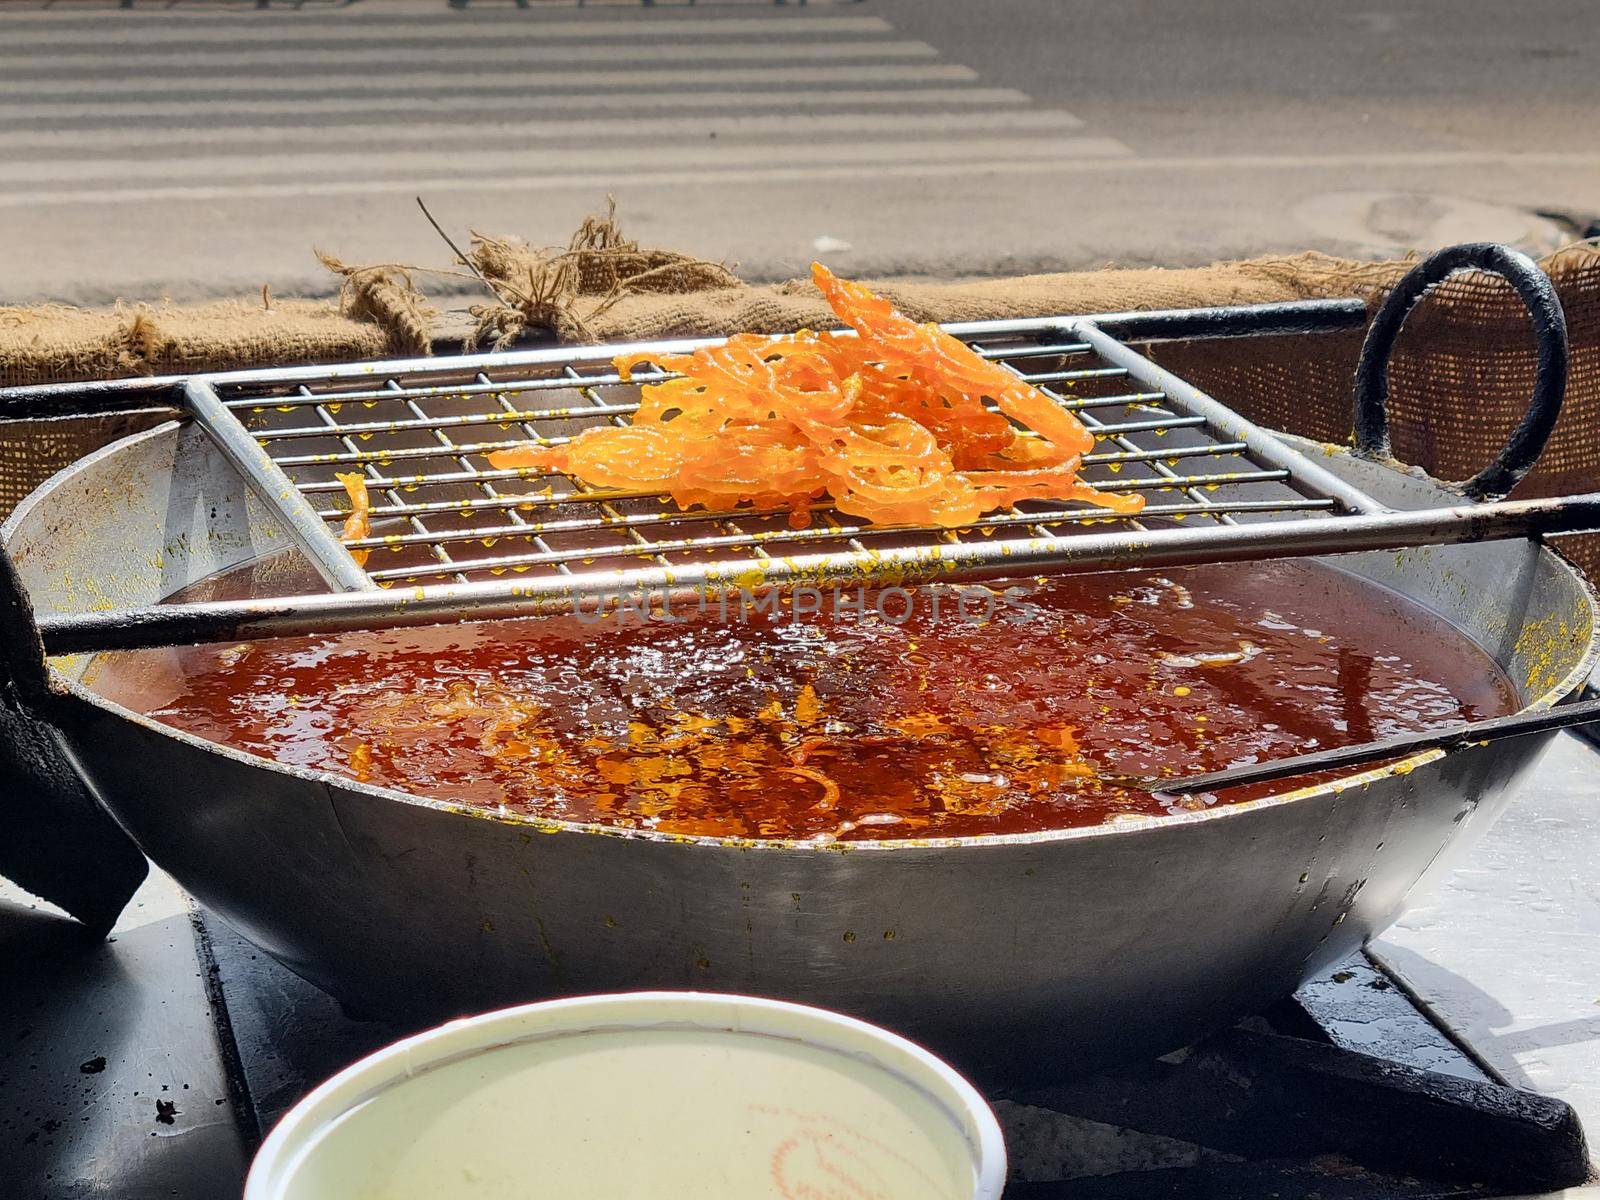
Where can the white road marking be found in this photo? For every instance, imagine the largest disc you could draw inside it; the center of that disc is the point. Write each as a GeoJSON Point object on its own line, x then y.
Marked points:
{"type": "Point", "coordinates": [702, 178]}
{"type": "Point", "coordinates": [150, 30]}
{"type": "Point", "coordinates": [401, 85]}
{"type": "Point", "coordinates": [482, 163]}
{"type": "Point", "coordinates": [516, 183]}
{"type": "Point", "coordinates": [226, 64]}
{"type": "Point", "coordinates": [701, 127]}
{"type": "Point", "coordinates": [1398, 158]}
{"type": "Point", "coordinates": [424, 105]}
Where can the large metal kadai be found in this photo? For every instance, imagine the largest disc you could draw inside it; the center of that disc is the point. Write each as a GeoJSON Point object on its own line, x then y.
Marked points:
{"type": "Point", "coordinates": [1088, 944]}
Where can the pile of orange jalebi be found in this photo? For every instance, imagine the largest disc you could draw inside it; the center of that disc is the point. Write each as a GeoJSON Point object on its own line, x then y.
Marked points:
{"type": "Point", "coordinates": [891, 423]}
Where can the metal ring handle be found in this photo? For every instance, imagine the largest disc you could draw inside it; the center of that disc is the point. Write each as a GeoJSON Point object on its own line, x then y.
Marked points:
{"type": "Point", "coordinates": [1538, 295]}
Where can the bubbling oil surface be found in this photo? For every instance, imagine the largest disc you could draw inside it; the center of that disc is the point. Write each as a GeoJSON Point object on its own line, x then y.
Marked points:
{"type": "Point", "coordinates": [901, 723]}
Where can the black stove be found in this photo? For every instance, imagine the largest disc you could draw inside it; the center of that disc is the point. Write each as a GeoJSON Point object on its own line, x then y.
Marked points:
{"type": "Point", "coordinates": [1282, 1105]}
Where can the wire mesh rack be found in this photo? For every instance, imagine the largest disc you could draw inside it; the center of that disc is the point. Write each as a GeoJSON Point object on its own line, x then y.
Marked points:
{"type": "Point", "coordinates": [469, 541]}
{"type": "Point", "coordinates": [441, 513]}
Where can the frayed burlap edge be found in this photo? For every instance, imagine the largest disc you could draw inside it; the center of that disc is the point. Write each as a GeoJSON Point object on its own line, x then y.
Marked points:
{"type": "Point", "coordinates": [569, 291]}
{"type": "Point", "coordinates": [386, 294]}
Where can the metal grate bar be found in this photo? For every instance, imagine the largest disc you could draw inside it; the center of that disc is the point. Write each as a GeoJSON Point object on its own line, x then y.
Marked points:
{"type": "Point", "coordinates": [258, 404]}
{"type": "Point", "coordinates": [615, 520]}
{"type": "Point", "coordinates": [267, 479]}
{"type": "Point", "coordinates": [740, 538]}
{"type": "Point", "coordinates": [528, 503]}
{"type": "Point", "coordinates": [516, 416]}
{"type": "Point", "coordinates": [1131, 399]}
{"type": "Point", "coordinates": [1167, 482]}
{"type": "Point", "coordinates": [602, 408]}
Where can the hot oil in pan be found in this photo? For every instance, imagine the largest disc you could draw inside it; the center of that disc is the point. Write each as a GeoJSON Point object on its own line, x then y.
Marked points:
{"type": "Point", "coordinates": [834, 724]}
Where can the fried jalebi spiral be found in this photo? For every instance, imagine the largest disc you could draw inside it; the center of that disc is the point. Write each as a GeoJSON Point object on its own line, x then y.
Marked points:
{"type": "Point", "coordinates": [891, 424]}
{"type": "Point", "coordinates": [359, 523]}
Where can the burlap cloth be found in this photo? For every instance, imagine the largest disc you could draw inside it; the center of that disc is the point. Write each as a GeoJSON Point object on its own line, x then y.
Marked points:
{"type": "Point", "coordinates": [54, 343]}
{"type": "Point", "coordinates": [1461, 375]}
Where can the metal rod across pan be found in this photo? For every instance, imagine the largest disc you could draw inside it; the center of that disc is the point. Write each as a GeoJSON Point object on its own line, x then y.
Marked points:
{"type": "Point", "coordinates": [245, 619]}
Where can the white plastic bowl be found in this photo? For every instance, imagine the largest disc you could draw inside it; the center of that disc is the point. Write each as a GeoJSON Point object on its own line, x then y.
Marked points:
{"type": "Point", "coordinates": [658, 1095]}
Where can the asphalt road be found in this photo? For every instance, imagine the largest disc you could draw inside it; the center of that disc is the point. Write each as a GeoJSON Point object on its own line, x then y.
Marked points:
{"type": "Point", "coordinates": [191, 150]}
